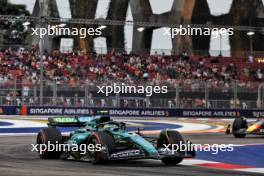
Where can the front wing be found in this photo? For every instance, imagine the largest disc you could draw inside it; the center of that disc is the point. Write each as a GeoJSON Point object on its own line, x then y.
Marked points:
{"type": "Point", "coordinates": [140, 154]}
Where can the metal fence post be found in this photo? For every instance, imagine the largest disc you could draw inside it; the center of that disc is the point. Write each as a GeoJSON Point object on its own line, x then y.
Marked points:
{"type": "Point", "coordinates": [15, 91]}
{"type": "Point", "coordinates": [35, 92]}
{"type": "Point", "coordinates": [54, 92]}
{"type": "Point", "coordinates": [206, 94]}
{"type": "Point", "coordinates": [41, 72]}
{"type": "Point", "coordinates": [22, 96]}
{"type": "Point", "coordinates": [41, 50]}
{"type": "Point", "coordinates": [260, 103]}
{"type": "Point", "coordinates": [177, 96]}
{"type": "Point", "coordinates": [235, 95]}
{"type": "Point", "coordinates": [263, 96]}
{"type": "Point", "coordinates": [118, 100]}
{"type": "Point", "coordinates": [86, 94]}
{"type": "Point", "coordinates": [147, 102]}
{"type": "Point", "coordinates": [75, 99]}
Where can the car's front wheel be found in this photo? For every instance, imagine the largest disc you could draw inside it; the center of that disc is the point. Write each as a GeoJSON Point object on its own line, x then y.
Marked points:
{"type": "Point", "coordinates": [171, 161]}
{"type": "Point", "coordinates": [170, 137]}
{"type": "Point", "coordinates": [99, 140]}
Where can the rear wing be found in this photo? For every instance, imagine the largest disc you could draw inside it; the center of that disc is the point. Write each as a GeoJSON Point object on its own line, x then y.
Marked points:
{"type": "Point", "coordinates": [69, 121]}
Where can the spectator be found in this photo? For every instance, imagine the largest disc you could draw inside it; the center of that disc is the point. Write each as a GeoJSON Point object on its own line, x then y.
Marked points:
{"type": "Point", "coordinates": [244, 105]}
{"type": "Point", "coordinates": [251, 59]}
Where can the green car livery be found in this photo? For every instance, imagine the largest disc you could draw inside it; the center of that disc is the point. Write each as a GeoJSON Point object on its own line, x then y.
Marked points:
{"type": "Point", "coordinates": [107, 140]}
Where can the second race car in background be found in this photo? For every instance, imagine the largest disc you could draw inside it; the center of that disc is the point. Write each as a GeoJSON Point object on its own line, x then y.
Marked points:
{"type": "Point", "coordinates": [241, 127]}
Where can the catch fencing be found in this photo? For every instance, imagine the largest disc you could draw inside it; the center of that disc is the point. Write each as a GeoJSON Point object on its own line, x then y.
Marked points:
{"type": "Point", "coordinates": [182, 95]}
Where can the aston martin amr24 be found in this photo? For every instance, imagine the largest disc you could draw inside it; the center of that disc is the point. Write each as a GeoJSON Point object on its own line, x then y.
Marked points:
{"type": "Point", "coordinates": [116, 142]}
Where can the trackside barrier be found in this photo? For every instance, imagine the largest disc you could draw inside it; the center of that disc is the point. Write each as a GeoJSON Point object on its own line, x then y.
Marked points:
{"type": "Point", "coordinates": [9, 110]}
{"type": "Point", "coordinates": [142, 112]}
{"type": "Point", "coordinates": [130, 112]}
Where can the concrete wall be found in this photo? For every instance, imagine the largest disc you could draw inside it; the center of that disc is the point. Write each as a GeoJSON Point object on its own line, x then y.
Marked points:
{"type": "Point", "coordinates": [85, 10]}
{"type": "Point", "coordinates": [243, 12]}
{"type": "Point", "coordinates": [141, 11]}
{"type": "Point", "coordinates": [49, 9]}
{"type": "Point", "coordinates": [115, 35]}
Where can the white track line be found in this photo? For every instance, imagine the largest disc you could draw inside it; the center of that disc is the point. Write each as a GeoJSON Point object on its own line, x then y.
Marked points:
{"type": "Point", "coordinates": [21, 123]}
{"type": "Point", "coordinates": [191, 162]}
{"type": "Point", "coordinates": [254, 170]}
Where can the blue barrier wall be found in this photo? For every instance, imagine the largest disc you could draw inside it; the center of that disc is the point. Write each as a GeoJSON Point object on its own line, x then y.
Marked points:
{"type": "Point", "coordinates": [9, 110]}
{"type": "Point", "coordinates": [133, 112]}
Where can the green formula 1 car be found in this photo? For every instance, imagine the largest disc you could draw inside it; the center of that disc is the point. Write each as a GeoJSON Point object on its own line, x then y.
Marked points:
{"type": "Point", "coordinates": [107, 140]}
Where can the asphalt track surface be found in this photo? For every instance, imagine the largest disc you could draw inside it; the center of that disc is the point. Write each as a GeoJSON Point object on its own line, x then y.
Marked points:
{"type": "Point", "coordinates": [16, 159]}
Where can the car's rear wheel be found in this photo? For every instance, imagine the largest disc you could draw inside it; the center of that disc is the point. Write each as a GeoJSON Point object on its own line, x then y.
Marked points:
{"type": "Point", "coordinates": [170, 137]}
{"type": "Point", "coordinates": [238, 124]}
{"type": "Point", "coordinates": [102, 139]}
{"type": "Point", "coordinates": [49, 136]}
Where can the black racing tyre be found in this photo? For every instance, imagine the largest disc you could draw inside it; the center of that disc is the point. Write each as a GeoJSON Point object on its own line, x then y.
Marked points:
{"type": "Point", "coordinates": [171, 160]}
{"type": "Point", "coordinates": [104, 138]}
{"type": "Point", "coordinates": [170, 137]}
{"type": "Point", "coordinates": [238, 124]}
{"type": "Point", "coordinates": [52, 136]}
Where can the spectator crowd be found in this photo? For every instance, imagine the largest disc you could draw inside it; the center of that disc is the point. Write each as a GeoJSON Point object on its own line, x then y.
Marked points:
{"type": "Point", "coordinates": [75, 68]}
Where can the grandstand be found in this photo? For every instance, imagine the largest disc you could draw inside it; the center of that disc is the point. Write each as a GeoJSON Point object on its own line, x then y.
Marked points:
{"type": "Point", "coordinates": [37, 72]}
{"type": "Point", "coordinates": [71, 79]}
